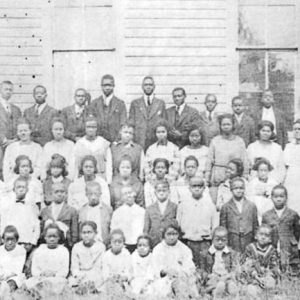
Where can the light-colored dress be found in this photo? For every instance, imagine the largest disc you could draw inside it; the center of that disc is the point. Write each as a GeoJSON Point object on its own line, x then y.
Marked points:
{"type": "Point", "coordinates": [292, 161]}
{"type": "Point", "coordinates": [66, 149]}
{"type": "Point", "coordinates": [32, 150]}
{"type": "Point", "coordinates": [273, 153]}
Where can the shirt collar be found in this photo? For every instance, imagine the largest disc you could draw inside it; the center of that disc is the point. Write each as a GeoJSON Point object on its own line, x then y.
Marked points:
{"type": "Point", "coordinates": [146, 98]}
{"type": "Point", "coordinates": [181, 108]}
{"type": "Point", "coordinates": [4, 103]}
{"type": "Point", "coordinates": [79, 108]}
{"type": "Point", "coordinates": [213, 250]}
{"type": "Point", "coordinates": [40, 107]}
{"type": "Point", "coordinates": [108, 99]}
{"type": "Point", "coordinates": [239, 117]}
{"type": "Point", "coordinates": [211, 113]}
{"type": "Point", "coordinates": [162, 143]}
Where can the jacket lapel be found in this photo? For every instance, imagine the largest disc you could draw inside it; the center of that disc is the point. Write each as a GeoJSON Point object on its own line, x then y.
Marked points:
{"type": "Point", "coordinates": [44, 111]}
{"type": "Point", "coordinates": [184, 114]}
{"type": "Point", "coordinates": [171, 115]}
{"type": "Point", "coordinates": [154, 108]}
{"type": "Point", "coordinates": [143, 108]}
{"type": "Point", "coordinates": [234, 207]}
{"type": "Point", "coordinates": [168, 209]}
{"type": "Point", "coordinates": [113, 105]}
{"type": "Point", "coordinates": [62, 212]}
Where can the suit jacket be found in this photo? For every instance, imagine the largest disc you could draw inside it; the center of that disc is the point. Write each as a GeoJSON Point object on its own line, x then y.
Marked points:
{"type": "Point", "coordinates": [145, 122]}
{"type": "Point", "coordinates": [106, 213]}
{"type": "Point", "coordinates": [41, 123]}
{"type": "Point", "coordinates": [69, 216]}
{"type": "Point", "coordinates": [281, 131]}
{"type": "Point", "coordinates": [245, 129]}
{"type": "Point", "coordinates": [155, 221]}
{"type": "Point", "coordinates": [189, 116]}
{"type": "Point", "coordinates": [74, 127]}
{"type": "Point", "coordinates": [210, 128]}
{"type": "Point", "coordinates": [109, 123]}
{"type": "Point", "coordinates": [8, 122]}
{"type": "Point", "coordinates": [241, 226]}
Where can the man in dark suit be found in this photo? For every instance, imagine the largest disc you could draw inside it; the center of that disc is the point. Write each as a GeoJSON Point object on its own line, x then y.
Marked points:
{"type": "Point", "coordinates": [40, 116]}
{"type": "Point", "coordinates": [109, 110]}
{"type": "Point", "coordinates": [145, 113]}
{"type": "Point", "coordinates": [267, 111]}
{"type": "Point", "coordinates": [243, 124]}
{"type": "Point", "coordinates": [180, 118]}
{"type": "Point", "coordinates": [74, 116]}
{"type": "Point", "coordinates": [209, 118]}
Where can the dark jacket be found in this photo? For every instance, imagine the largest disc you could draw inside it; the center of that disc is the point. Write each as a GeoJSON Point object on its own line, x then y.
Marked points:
{"type": "Point", "coordinates": [245, 129]}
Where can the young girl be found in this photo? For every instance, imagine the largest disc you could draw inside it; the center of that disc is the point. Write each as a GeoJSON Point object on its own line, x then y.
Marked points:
{"type": "Point", "coordinates": [260, 187]}
{"type": "Point", "coordinates": [57, 172]}
{"type": "Point", "coordinates": [160, 172]}
{"type": "Point", "coordinates": [86, 257]}
{"type": "Point", "coordinates": [142, 271]}
{"type": "Point", "coordinates": [24, 146]}
{"type": "Point", "coordinates": [235, 168]}
{"type": "Point", "coordinates": [97, 146]}
{"type": "Point", "coordinates": [87, 172]}
{"type": "Point", "coordinates": [196, 148]}
{"type": "Point", "coordinates": [125, 178]}
{"type": "Point", "coordinates": [162, 149]}
{"type": "Point", "coordinates": [50, 262]}
{"type": "Point", "coordinates": [59, 145]}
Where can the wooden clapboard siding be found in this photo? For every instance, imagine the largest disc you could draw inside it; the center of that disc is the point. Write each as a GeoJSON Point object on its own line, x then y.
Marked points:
{"type": "Point", "coordinates": [179, 43]}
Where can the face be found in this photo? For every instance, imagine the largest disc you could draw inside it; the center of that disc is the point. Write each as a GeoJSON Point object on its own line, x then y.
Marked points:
{"type": "Point", "coordinates": [24, 132]}
{"type": "Point", "coordinates": [56, 171]}
{"type": "Point", "coordinates": [178, 97]}
{"type": "Point", "coordinates": [238, 190]}
{"type": "Point", "coordinates": [279, 198]}
{"type": "Point", "coordinates": [267, 99]}
{"type": "Point", "coordinates": [125, 168]}
{"type": "Point", "coordinates": [161, 133]}
{"type": "Point", "coordinates": [171, 237]}
{"type": "Point", "coordinates": [226, 126]}
{"type": "Point", "coordinates": [39, 95]}
{"type": "Point", "coordinates": [263, 236]}
{"type": "Point", "coordinates": [143, 247]}
{"type": "Point", "coordinates": [127, 134]}
{"type": "Point", "coordinates": [59, 193]}
{"type": "Point", "coordinates": [195, 137]}
{"type": "Point", "coordinates": [238, 106]}
{"type": "Point", "coordinates": [58, 131]}
{"type": "Point", "coordinates": [24, 168]}
{"type": "Point", "coordinates": [88, 235]}
{"type": "Point", "coordinates": [265, 133]}
{"type": "Point", "coordinates": [190, 168]}
{"type": "Point", "coordinates": [10, 241]}
{"type": "Point", "coordinates": [162, 192]}
{"type": "Point", "coordinates": [107, 86]}
{"type": "Point", "coordinates": [160, 170]}
{"type": "Point", "coordinates": [263, 171]}
{"type": "Point", "coordinates": [93, 194]}
{"type": "Point", "coordinates": [210, 103]}
{"type": "Point", "coordinates": [91, 128]}
{"type": "Point", "coordinates": [197, 189]}
{"type": "Point", "coordinates": [20, 189]}
{"type": "Point", "coordinates": [148, 86]}
{"type": "Point", "coordinates": [80, 97]}
{"type": "Point", "coordinates": [88, 168]}
{"type": "Point", "coordinates": [220, 240]}
{"type": "Point", "coordinates": [231, 170]}
{"type": "Point", "coordinates": [128, 196]}
{"type": "Point", "coordinates": [6, 91]}
{"type": "Point", "coordinates": [52, 238]}
{"type": "Point", "coordinates": [117, 243]}
{"type": "Point", "coordinates": [296, 129]}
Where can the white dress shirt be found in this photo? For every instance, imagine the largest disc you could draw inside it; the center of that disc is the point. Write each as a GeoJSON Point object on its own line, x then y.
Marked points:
{"type": "Point", "coordinates": [106, 100]}
{"type": "Point", "coordinates": [239, 205]}
{"type": "Point", "coordinates": [5, 105]}
{"type": "Point", "coordinates": [151, 97]}
{"type": "Point", "coordinates": [39, 107]}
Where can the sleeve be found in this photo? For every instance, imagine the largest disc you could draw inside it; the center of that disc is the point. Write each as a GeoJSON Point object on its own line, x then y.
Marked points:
{"type": "Point", "coordinates": [123, 116]}
{"type": "Point", "coordinates": [36, 231]}
{"type": "Point", "coordinates": [8, 163]}
{"type": "Point", "coordinates": [296, 227]}
{"type": "Point", "coordinates": [252, 135]}
{"type": "Point", "coordinates": [210, 161]}
{"type": "Point", "coordinates": [244, 158]}
{"type": "Point", "coordinates": [75, 264]}
{"type": "Point", "coordinates": [142, 166]}
{"type": "Point", "coordinates": [214, 218]}
{"type": "Point", "coordinates": [37, 263]}
{"type": "Point", "coordinates": [247, 254]}
{"type": "Point", "coordinates": [147, 224]}
{"type": "Point", "coordinates": [132, 113]}
{"type": "Point", "coordinates": [37, 165]}
{"type": "Point", "coordinates": [108, 166]}
{"type": "Point", "coordinates": [106, 198]}
{"type": "Point", "coordinates": [114, 221]}
{"type": "Point", "coordinates": [64, 263]}
{"type": "Point", "coordinates": [68, 134]}
{"type": "Point", "coordinates": [18, 263]}
{"type": "Point", "coordinates": [140, 196]}
{"type": "Point", "coordinates": [179, 214]}
{"type": "Point", "coordinates": [223, 217]}
{"type": "Point", "coordinates": [281, 167]}
{"type": "Point", "coordinates": [71, 163]}
{"type": "Point", "coordinates": [74, 228]}
{"type": "Point", "coordinates": [255, 219]}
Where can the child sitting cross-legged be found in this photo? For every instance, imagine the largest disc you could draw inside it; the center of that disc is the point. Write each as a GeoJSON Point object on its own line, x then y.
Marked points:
{"type": "Point", "coordinates": [218, 266]}
{"type": "Point", "coordinates": [260, 264]}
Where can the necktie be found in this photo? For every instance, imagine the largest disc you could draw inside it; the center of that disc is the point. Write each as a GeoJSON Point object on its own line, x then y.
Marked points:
{"type": "Point", "coordinates": [37, 110]}
{"type": "Point", "coordinates": [148, 100]}
{"type": "Point", "coordinates": [209, 116]}
{"type": "Point", "coordinates": [177, 116]}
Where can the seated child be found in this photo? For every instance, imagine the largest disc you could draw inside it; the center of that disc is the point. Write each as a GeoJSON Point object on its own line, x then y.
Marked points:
{"type": "Point", "coordinates": [129, 217]}
{"type": "Point", "coordinates": [161, 213]}
{"type": "Point", "coordinates": [50, 262]}
{"type": "Point", "coordinates": [88, 173]}
{"type": "Point", "coordinates": [284, 223]}
{"type": "Point", "coordinates": [260, 187]}
{"type": "Point", "coordinates": [57, 172]}
{"type": "Point", "coordinates": [160, 172]}
{"type": "Point", "coordinates": [260, 263]}
{"type": "Point", "coordinates": [59, 212]}
{"type": "Point", "coordinates": [125, 178]}
{"type": "Point", "coordinates": [162, 149]}
{"type": "Point", "coordinates": [218, 266]}
{"type": "Point", "coordinates": [142, 271]}
{"type": "Point", "coordinates": [11, 263]}
{"type": "Point", "coordinates": [239, 217]}
{"type": "Point", "coordinates": [86, 257]}
{"type": "Point", "coordinates": [196, 148]}
{"type": "Point", "coordinates": [96, 211]}
{"type": "Point", "coordinates": [235, 168]}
